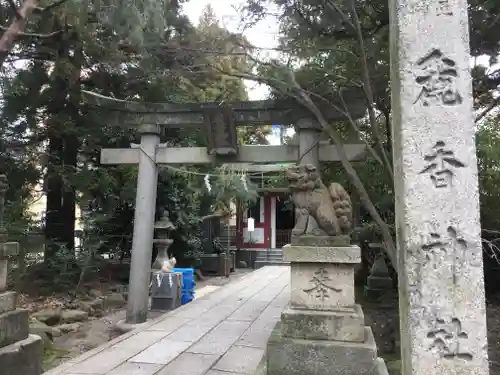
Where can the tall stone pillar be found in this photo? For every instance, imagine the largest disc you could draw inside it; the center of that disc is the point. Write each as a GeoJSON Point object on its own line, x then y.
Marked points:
{"type": "Point", "coordinates": [440, 256]}
{"type": "Point", "coordinates": [142, 242]}
{"type": "Point", "coordinates": [20, 352]}
{"type": "Point", "coordinates": [308, 134]}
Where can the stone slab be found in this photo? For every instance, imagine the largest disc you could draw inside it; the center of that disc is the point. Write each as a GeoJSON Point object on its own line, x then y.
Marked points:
{"type": "Point", "coordinates": [103, 362]}
{"type": "Point", "coordinates": [315, 254]}
{"type": "Point", "coordinates": [249, 311]}
{"type": "Point", "coordinates": [305, 240]}
{"type": "Point", "coordinates": [220, 339]}
{"type": "Point", "coordinates": [169, 324]}
{"type": "Point", "coordinates": [129, 368]}
{"type": "Point", "coordinates": [142, 340]}
{"type": "Point", "coordinates": [189, 364]}
{"type": "Point", "coordinates": [324, 325]}
{"type": "Point", "coordinates": [162, 352]}
{"type": "Point", "coordinates": [289, 356]}
{"type": "Point", "coordinates": [321, 286]}
{"type": "Point", "coordinates": [193, 331]}
{"type": "Point", "coordinates": [255, 338]}
{"type": "Point", "coordinates": [240, 359]}
{"type": "Point", "coordinates": [23, 357]}
{"type": "Point", "coordinates": [8, 301]}
{"type": "Point", "coordinates": [14, 326]}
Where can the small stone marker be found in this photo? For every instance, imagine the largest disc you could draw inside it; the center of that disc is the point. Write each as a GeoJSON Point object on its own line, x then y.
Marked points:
{"type": "Point", "coordinates": [20, 352]}
{"type": "Point", "coordinates": [379, 281]}
{"type": "Point", "coordinates": [442, 305]}
{"type": "Point", "coordinates": [166, 291]}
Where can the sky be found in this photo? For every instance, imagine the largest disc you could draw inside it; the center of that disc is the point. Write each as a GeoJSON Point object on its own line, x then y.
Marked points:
{"type": "Point", "coordinates": [263, 35]}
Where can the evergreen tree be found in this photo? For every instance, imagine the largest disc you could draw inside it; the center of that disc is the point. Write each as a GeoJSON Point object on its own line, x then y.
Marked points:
{"type": "Point", "coordinates": [121, 50]}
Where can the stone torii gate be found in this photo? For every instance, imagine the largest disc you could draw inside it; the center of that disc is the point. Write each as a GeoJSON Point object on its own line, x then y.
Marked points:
{"type": "Point", "coordinates": [219, 123]}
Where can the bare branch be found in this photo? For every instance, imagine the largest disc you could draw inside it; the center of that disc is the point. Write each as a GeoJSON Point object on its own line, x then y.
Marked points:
{"type": "Point", "coordinates": [17, 26]}
{"type": "Point", "coordinates": [34, 35]}
{"type": "Point", "coordinates": [492, 250]}
{"type": "Point", "coordinates": [488, 109]}
{"type": "Point", "coordinates": [369, 93]}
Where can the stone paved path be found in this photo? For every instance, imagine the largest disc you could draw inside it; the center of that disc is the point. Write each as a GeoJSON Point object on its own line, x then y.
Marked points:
{"type": "Point", "coordinates": [222, 333]}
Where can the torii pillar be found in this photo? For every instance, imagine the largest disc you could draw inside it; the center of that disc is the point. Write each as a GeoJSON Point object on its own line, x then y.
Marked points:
{"type": "Point", "coordinates": [308, 134]}
{"type": "Point", "coordinates": [144, 217]}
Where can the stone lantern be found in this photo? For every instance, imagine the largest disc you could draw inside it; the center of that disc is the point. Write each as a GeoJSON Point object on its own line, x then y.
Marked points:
{"type": "Point", "coordinates": [166, 285]}
{"type": "Point", "coordinates": [163, 228]}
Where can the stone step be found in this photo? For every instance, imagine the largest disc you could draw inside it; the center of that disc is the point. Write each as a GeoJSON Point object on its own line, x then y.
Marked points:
{"type": "Point", "coordinates": [273, 259]}
{"type": "Point", "coordinates": [273, 252]}
{"type": "Point", "coordinates": [263, 256]}
{"type": "Point", "coordinates": [262, 263]}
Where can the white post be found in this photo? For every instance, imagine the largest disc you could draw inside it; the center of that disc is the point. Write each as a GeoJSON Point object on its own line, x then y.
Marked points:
{"type": "Point", "coordinates": [441, 287]}
{"type": "Point", "coordinates": [142, 242]}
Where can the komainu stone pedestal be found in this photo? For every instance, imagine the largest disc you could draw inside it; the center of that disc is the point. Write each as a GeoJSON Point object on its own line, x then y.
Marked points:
{"type": "Point", "coordinates": [322, 332]}
{"type": "Point", "coordinates": [20, 352]}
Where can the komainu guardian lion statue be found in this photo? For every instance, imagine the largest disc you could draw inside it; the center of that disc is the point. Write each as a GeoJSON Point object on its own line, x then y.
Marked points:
{"type": "Point", "coordinates": [319, 211]}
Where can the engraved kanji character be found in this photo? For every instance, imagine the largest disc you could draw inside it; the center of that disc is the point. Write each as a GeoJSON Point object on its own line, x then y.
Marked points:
{"type": "Point", "coordinates": [441, 162]}
{"type": "Point", "coordinates": [435, 244]}
{"type": "Point", "coordinates": [320, 286]}
{"type": "Point", "coordinates": [446, 338]}
{"type": "Point", "coordinates": [437, 76]}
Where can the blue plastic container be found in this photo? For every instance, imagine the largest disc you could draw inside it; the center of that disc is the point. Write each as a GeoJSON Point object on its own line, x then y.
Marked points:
{"type": "Point", "coordinates": [188, 284]}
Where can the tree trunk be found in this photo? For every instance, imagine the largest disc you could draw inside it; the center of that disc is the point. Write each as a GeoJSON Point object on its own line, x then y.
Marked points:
{"type": "Point", "coordinates": [54, 196]}
{"type": "Point", "coordinates": [61, 195]}
{"type": "Point", "coordinates": [68, 215]}
{"type": "Point", "coordinates": [71, 147]}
